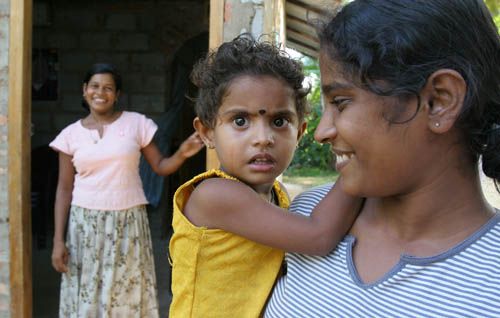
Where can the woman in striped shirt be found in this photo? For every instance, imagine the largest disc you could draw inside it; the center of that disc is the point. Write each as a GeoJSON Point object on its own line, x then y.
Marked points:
{"type": "Point", "coordinates": [412, 103]}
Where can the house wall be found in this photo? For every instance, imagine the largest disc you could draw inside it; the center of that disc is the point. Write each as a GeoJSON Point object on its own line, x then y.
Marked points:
{"type": "Point", "coordinates": [4, 211]}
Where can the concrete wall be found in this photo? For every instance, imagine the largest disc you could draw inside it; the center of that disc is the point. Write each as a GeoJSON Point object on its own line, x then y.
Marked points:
{"type": "Point", "coordinates": [4, 210]}
{"type": "Point", "coordinates": [242, 16]}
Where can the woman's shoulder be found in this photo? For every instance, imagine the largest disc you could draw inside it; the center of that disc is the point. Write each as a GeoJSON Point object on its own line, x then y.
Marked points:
{"type": "Point", "coordinates": [305, 202]}
{"type": "Point", "coordinates": [131, 115]}
{"type": "Point", "coordinates": [67, 137]}
{"type": "Point", "coordinates": [73, 127]}
{"type": "Point", "coordinates": [315, 193]}
{"type": "Point", "coordinates": [494, 223]}
{"type": "Point", "coordinates": [137, 119]}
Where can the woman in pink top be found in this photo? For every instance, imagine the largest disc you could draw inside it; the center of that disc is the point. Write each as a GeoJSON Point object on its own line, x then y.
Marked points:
{"type": "Point", "coordinates": [106, 260]}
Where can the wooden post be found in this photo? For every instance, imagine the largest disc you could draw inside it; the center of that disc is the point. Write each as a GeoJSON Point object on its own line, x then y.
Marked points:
{"type": "Point", "coordinates": [19, 144]}
{"type": "Point", "coordinates": [216, 36]}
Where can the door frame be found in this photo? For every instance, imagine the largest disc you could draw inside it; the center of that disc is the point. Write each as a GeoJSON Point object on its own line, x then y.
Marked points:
{"type": "Point", "coordinates": [19, 144]}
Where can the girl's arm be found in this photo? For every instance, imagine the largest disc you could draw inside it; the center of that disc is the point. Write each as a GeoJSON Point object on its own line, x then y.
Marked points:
{"type": "Point", "coordinates": [61, 209]}
{"type": "Point", "coordinates": [164, 166]}
{"type": "Point", "coordinates": [235, 207]}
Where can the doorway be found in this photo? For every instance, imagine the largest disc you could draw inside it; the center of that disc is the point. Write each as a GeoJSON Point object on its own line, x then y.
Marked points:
{"type": "Point", "coordinates": [153, 43]}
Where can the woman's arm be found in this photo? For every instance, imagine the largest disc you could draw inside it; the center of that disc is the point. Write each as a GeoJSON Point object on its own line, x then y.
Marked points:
{"type": "Point", "coordinates": [235, 207]}
{"type": "Point", "coordinates": [61, 209]}
{"type": "Point", "coordinates": [164, 166]}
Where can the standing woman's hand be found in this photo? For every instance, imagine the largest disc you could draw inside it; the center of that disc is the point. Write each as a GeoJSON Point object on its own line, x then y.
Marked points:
{"type": "Point", "coordinates": [191, 146]}
{"type": "Point", "coordinates": [164, 166]}
{"type": "Point", "coordinates": [60, 257]}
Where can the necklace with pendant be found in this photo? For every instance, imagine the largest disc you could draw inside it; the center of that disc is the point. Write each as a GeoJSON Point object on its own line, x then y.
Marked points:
{"type": "Point", "coordinates": [99, 128]}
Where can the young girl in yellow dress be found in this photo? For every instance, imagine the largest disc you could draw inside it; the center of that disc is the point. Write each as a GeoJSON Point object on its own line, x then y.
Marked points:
{"type": "Point", "coordinates": [230, 224]}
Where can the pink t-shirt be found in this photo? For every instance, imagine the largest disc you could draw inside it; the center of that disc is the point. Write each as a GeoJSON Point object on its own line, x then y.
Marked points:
{"type": "Point", "coordinates": [107, 169]}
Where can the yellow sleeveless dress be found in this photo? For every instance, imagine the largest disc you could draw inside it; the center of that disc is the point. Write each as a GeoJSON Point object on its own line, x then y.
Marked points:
{"type": "Point", "coordinates": [216, 273]}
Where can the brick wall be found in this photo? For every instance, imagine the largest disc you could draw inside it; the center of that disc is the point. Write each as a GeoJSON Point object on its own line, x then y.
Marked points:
{"type": "Point", "coordinates": [139, 37]}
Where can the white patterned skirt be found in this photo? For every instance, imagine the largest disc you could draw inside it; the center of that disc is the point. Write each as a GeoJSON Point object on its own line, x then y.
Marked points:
{"type": "Point", "coordinates": [111, 266]}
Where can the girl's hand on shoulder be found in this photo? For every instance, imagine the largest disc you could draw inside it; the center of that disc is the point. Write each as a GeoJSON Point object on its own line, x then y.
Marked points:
{"type": "Point", "coordinates": [60, 256]}
{"type": "Point", "coordinates": [191, 146]}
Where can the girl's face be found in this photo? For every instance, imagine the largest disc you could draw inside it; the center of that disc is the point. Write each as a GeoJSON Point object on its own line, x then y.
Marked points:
{"type": "Point", "coordinates": [100, 93]}
{"type": "Point", "coordinates": [375, 155]}
{"type": "Point", "coordinates": [257, 130]}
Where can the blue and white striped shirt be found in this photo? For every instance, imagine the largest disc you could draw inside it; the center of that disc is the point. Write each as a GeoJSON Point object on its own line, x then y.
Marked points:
{"type": "Point", "coordinates": [462, 282]}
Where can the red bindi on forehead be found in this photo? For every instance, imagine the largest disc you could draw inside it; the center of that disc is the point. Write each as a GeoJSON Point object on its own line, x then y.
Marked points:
{"type": "Point", "coordinates": [262, 111]}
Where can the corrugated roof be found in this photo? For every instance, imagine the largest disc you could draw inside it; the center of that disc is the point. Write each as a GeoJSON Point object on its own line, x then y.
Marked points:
{"type": "Point", "coordinates": [300, 18]}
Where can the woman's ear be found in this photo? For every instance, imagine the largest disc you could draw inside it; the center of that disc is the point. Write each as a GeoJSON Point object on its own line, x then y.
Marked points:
{"type": "Point", "coordinates": [444, 96]}
{"type": "Point", "coordinates": [206, 133]}
{"type": "Point", "coordinates": [84, 88]}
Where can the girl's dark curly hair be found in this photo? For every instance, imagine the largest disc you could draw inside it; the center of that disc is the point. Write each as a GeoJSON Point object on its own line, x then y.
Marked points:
{"type": "Point", "coordinates": [239, 57]}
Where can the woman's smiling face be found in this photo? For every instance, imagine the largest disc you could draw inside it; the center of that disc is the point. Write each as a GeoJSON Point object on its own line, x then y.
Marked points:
{"type": "Point", "coordinates": [100, 93]}
{"type": "Point", "coordinates": [375, 155]}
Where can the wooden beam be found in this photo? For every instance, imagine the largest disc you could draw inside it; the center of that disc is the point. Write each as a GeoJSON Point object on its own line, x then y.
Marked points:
{"type": "Point", "coordinates": [216, 32]}
{"type": "Point", "coordinates": [302, 27]}
{"type": "Point", "coordinates": [302, 12]}
{"type": "Point", "coordinates": [303, 39]}
{"type": "Point", "coordinates": [303, 49]}
{"type": "Point", "coordinates": [19, 145]}
{"type": "Point", "coordinates": [215, 38]}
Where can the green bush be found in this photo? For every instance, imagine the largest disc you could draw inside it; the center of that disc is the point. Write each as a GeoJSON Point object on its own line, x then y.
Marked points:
{"type": "Point", "coordinates": [494, 7]}
{"type": "Point", "coordinates": [311, 154]}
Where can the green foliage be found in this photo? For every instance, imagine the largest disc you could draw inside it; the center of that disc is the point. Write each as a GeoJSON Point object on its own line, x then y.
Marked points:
{"type": "Point", "coordinates": [311, 153]}
{"type": "Point", "coordinates": [494, 7]}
